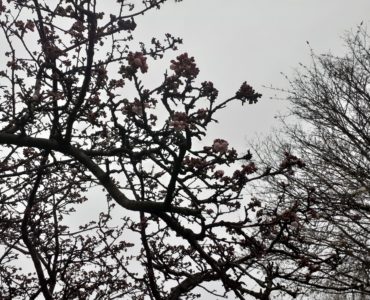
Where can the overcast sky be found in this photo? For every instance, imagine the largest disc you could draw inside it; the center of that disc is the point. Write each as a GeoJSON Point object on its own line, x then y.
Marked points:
{"type": "Point", "coordinates": [253, 40]}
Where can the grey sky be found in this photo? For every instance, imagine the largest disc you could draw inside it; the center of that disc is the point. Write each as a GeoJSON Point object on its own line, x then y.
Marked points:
{"type": "Point", "coordinates": [253, 40]}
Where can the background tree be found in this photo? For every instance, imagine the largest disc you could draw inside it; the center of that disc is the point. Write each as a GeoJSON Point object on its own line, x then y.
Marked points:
{"type": "Point", "coordinates": [66, 127]}
{"type": "Point", "coordinates": [331, 104]}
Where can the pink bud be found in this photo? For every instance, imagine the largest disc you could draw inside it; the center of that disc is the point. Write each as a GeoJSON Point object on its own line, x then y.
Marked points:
{"type": "Point", "coordinates": [220, 146]}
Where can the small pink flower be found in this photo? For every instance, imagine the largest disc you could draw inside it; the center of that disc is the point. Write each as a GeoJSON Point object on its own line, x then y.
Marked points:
{"type": "Point", "coordinates": [249, 169]}
{"type": "Point", "coordinates": [78, 26]}
{"type": "Point", "coordinates": [180, 121]}
{"type": "Point", "coordinates": [202, 113]}
{"type": "Point", "coordinates": [137, 109]}
{"type": "Point", "coordinates": [185, 66]}
{"type": "Point", "coordinates": [219, 174]}
{"type": "Point", "coordinates": [246, 92]}
{"type": "Point", "coordinates": [137, 60]}
{"type": "Point", "coordinates": [220, 146]}
{"type": "Point", "coordinates": [209, 91]}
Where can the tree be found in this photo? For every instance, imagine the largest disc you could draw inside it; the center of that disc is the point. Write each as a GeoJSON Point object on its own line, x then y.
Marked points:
{"type": "Point", "coordinates": [66, 127]}
{"type": "Point", "coordinates": [331, 103]}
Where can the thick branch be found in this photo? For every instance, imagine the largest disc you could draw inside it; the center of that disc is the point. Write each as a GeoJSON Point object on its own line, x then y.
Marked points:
{"type": "Point", "coordinates": [104, 179]}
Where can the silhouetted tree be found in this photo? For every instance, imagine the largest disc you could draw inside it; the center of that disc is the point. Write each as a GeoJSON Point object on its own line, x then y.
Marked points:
{"type": "Point", "coordinates": [331, 103]}
{"type": "Point", "coordinates": [74, 114]}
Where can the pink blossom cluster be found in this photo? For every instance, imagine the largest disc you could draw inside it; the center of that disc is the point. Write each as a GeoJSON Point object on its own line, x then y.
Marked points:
{"type": "Point", "coordinates": [126, 24]}
{"type": "Point", "coordinates": [53, 52]}
{"type": "Point", "coordinates": [92, 116]}
{"type": "Point", "coordinates": [135, 107]}
{"type": "Point", "coordinates": [101, 75]}
{"type": "Point", "coordinates": [289, 215]}
{"type": "Point", "coordinates": [185, 66]}
{"type": "Point", "coordinates": [2, 7]}
{"type": "Point", "coordinates": [239, 177]}
{"type": "Point", "coordinates": [208, 90]}
{"type": "Point", "coordinates": [137, 60]}
{"type": "Point", "coordinates": [246, 92]}
{"type": "Point", "coordinates": [172, 82]}
{"type": "Point", "coordinates": [202, 113]}
{"type": "Point", "coordinates": [290, 161]}
{"type": "Point", "coordinates": [30, 25]}
{"type": "Point", "coordinates": [219, 174]}
{"type": "Point", "coordinates": [28, 152]}
{"type": "Point", "coordinates": [180, 121]}
{"type": "Point", "coordinates": [231, 155]}
{"type": "Point", "coordinates": [220, 146]}
{"type": "Point", "coordinates": [114, 83]}
{"type": "Point", "coordinates": [78, 26]}
{"type": "Point", "coordinates": [249, 168]}
{"type": "Point", "coordinates": [195, 162]}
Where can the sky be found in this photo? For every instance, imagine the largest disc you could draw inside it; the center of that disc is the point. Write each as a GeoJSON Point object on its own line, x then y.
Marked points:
{"type": "Point", "coordinates": [246, 40]}
{"type": "Point", "coordinates": [237, 40]}
{"type": "Point", "coordinates": [254, 41]}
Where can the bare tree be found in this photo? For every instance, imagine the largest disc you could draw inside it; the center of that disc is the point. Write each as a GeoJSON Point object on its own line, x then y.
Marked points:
{"type": "Point", "coordinates": [331, 102]}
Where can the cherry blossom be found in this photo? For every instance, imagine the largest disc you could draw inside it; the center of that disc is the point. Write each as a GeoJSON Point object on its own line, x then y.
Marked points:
{"type": "Point", "coordinates": [220, 146]}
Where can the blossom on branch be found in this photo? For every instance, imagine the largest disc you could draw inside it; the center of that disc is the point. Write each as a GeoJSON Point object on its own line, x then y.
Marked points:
{"type": "Point", "coordinates": [137, 60]}
{"type": "Point", "coordinates": [246, 92]}
{"type": "Point", "coordinates": [220, 146]}
{"type": "Point", "coordinates": [184, 66]}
